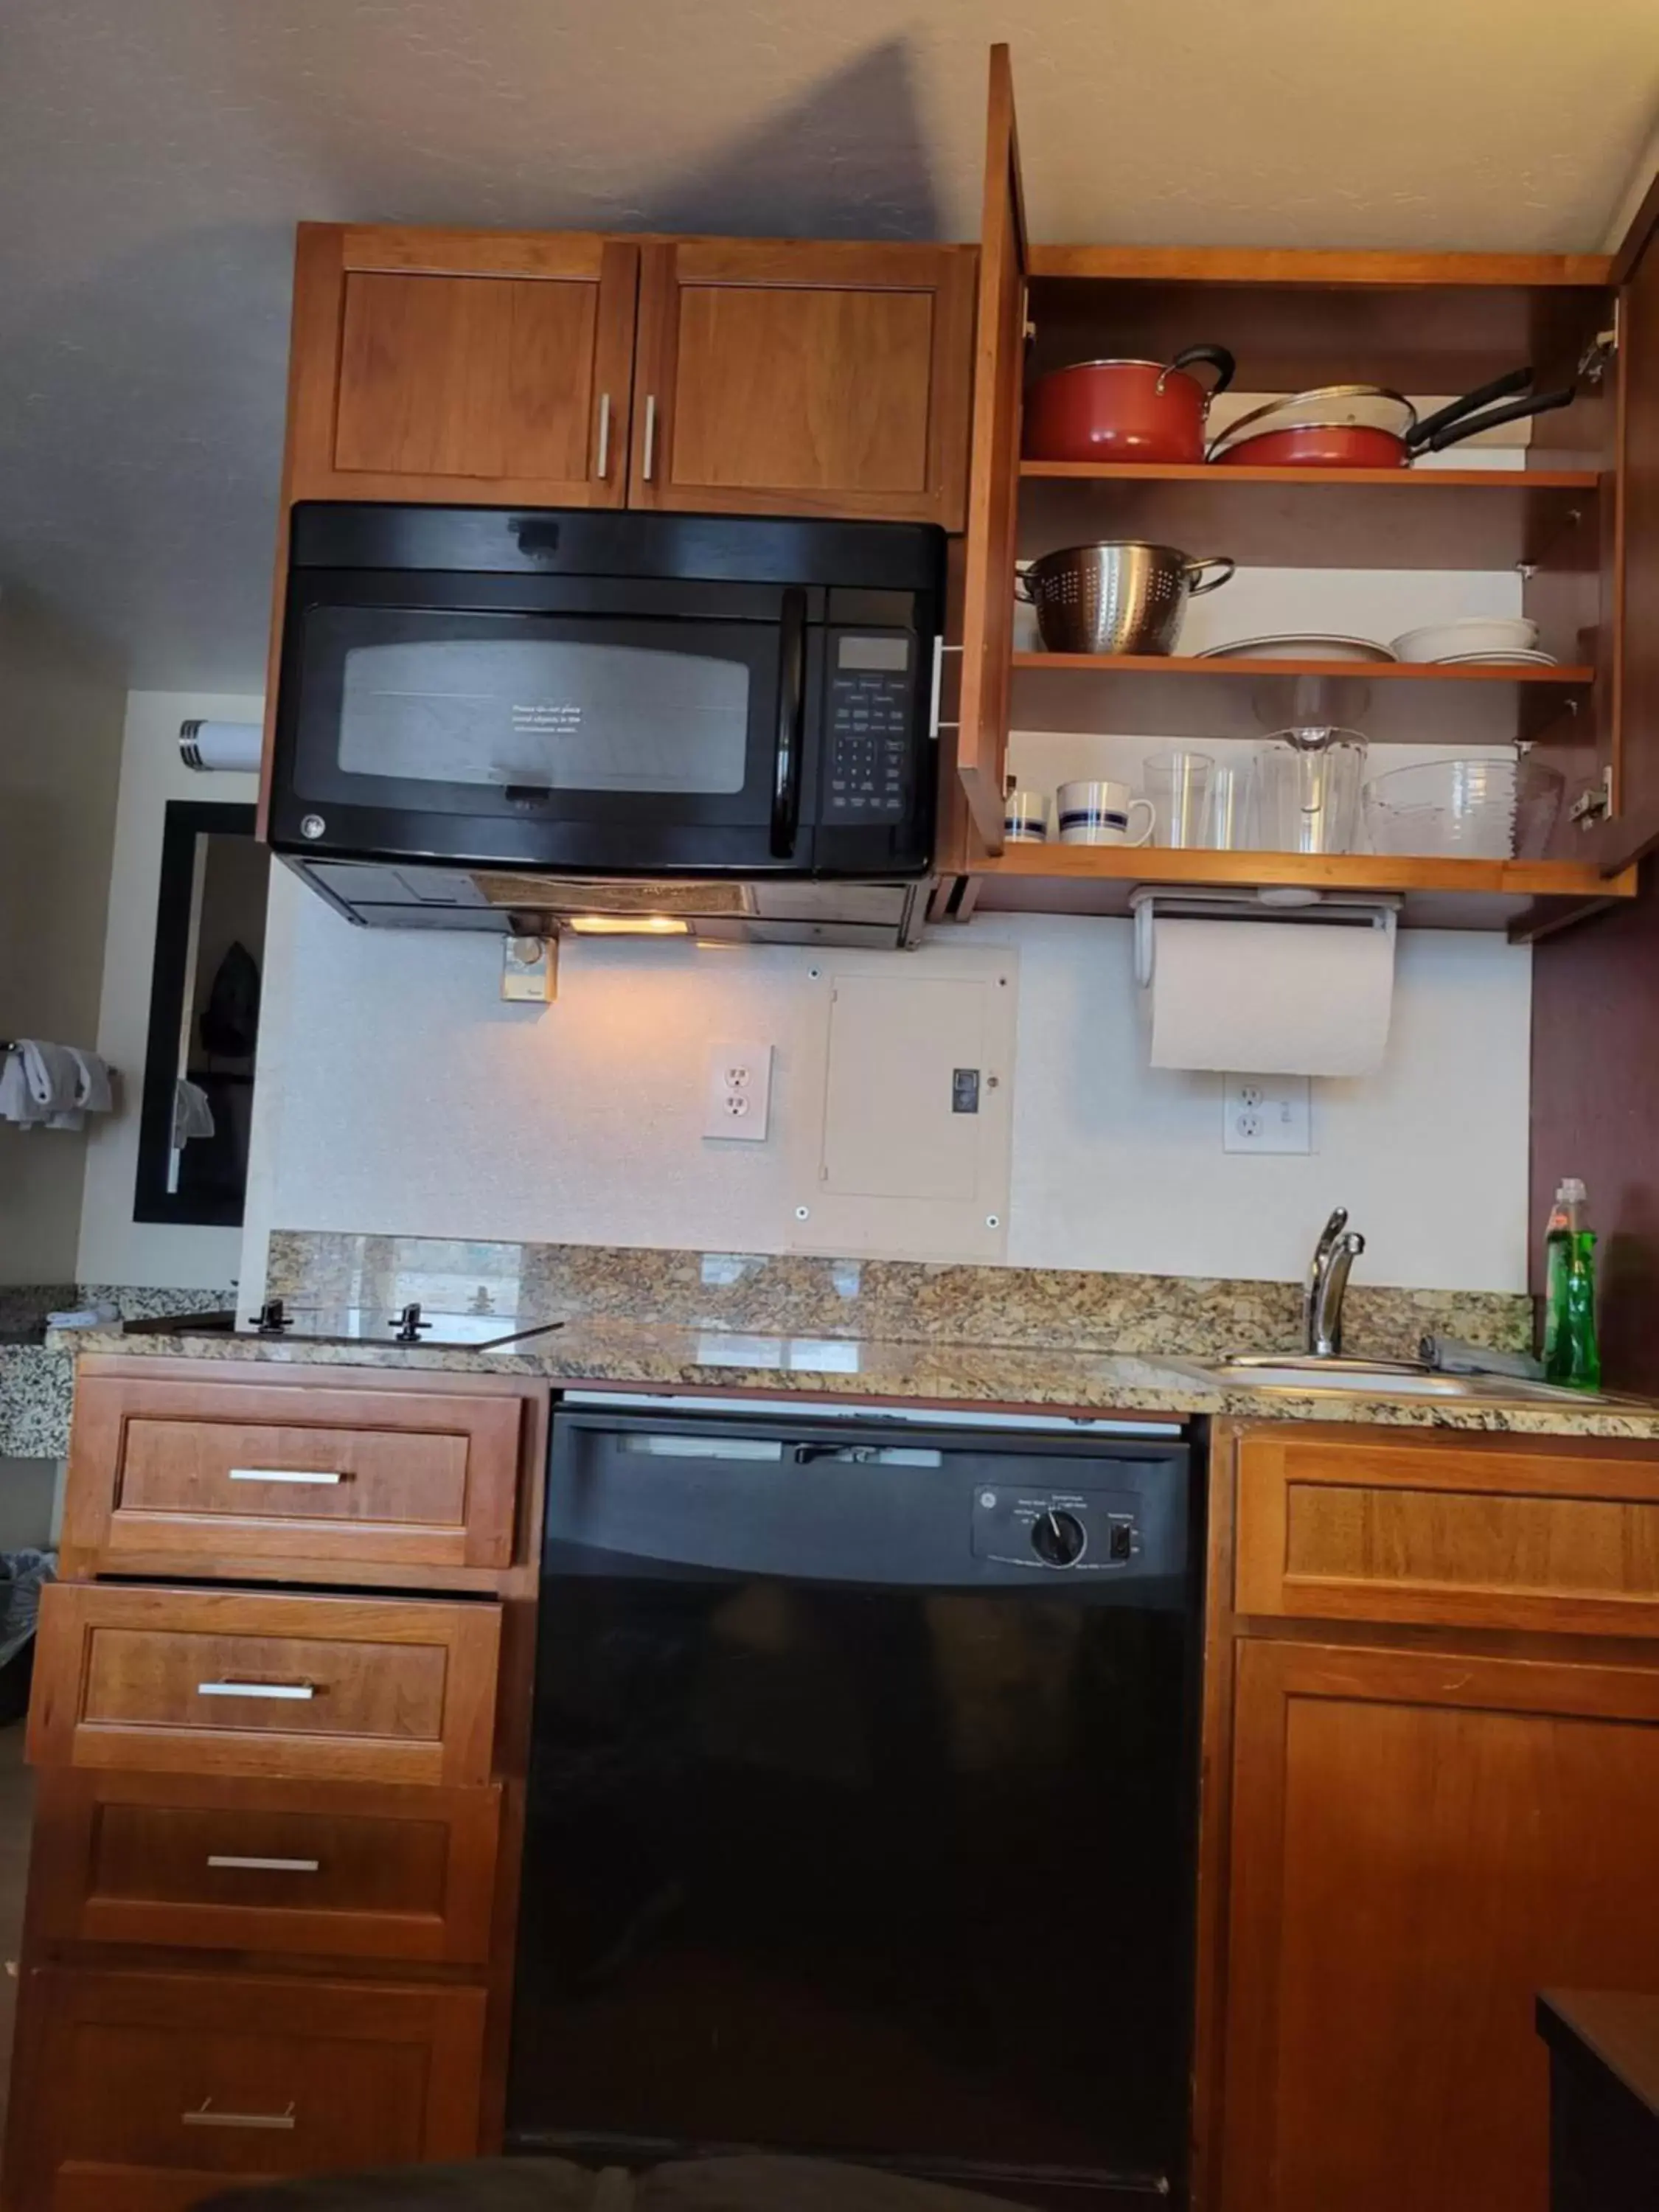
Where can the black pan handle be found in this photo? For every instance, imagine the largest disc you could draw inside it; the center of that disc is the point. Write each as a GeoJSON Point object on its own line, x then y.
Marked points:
{"type": "Point", "coordinates": [1217, 357]}
{"type": "Point", "coordinates": [791, 697]}
{"type": "Point", "coordinates": [1501, 388]}
{"type": "Point", "coordinates": [1516, 411]}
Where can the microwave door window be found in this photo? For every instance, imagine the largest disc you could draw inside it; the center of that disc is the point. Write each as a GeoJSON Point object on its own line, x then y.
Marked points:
{"type": "Point", "coordinates": [563, 713]}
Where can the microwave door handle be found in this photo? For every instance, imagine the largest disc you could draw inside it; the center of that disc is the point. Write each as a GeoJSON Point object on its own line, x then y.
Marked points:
{"type": "Point", "coordinates": [791, 694]}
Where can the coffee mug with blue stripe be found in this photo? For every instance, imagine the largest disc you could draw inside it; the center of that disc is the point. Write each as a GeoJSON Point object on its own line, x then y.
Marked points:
{"type": "Point", "coordinates": [1100, 812]}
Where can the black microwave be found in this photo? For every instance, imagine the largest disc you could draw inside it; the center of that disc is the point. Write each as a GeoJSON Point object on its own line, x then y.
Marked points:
{"type": "Point", "coordinates": [608, 693]}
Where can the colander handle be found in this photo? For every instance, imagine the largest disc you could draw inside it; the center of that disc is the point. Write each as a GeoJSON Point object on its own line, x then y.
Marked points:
{"type": "Point", "coordinates": [1023, 587]}
{"type": "Point", "coordinates": [1189, 570]}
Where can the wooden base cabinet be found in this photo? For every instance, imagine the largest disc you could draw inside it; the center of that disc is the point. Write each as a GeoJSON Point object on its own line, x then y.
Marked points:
{"type": "Point", "coordinates": [274, 1873]}
{"type": "Point", "coordinates": [329, 1869]}
{"type": "Point", "coordinates": [152, 2091]}
{"type": "Point", "coordinates": [1421, 1841]}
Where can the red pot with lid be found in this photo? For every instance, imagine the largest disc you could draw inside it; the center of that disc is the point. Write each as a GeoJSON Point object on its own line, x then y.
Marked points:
{"type": "Point", "coordinates": [1125, 410]}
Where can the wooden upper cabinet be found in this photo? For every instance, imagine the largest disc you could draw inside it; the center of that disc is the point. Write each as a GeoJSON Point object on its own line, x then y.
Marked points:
{"type": "Point", "coordinates": [486, 366]}
{"type": "Point", "coordinates": [993, 509]}
{"type": "Point", "coordinates": [1420, 1843]}
{"type": "Point", "coordinates": [1634, 830]}
{"type": "Point", "coordinates": [788, 377]}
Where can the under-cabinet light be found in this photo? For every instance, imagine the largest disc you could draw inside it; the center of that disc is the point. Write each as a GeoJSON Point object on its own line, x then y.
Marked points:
{"type": "Point", "coordinates": [629, 925]}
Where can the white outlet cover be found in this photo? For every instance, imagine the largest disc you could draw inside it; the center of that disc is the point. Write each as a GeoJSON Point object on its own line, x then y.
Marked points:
{"type": "Point", "coordinates": [1266, 1114]}
{"type": "Point", "coordinates": [738, 1092]}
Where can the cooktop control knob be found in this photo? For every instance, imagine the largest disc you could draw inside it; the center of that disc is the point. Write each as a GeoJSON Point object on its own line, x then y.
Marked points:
{"type": "Point", "coordinates": [1058, 1538]}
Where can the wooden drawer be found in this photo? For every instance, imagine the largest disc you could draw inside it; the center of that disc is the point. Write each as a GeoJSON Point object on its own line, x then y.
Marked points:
{"type": "Point", "coordinates": [144, 2091]}
{"type": "Point", "coordinates": [1471, 1532]}
{"type": "Point", "coordinates": [220, 1471]}
{"type": "Point", "coordinates": [239, 1682]}
{"type": "Point", "coordinates": [335, 1869]}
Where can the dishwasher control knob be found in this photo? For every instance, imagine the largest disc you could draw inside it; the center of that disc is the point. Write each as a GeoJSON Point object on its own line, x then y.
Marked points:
{"type": "Point", "coordinates": [1058, 1538]}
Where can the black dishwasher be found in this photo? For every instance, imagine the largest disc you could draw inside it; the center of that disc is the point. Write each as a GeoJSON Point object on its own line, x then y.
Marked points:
{"type": "Point", "coordinates": [861, 1798]}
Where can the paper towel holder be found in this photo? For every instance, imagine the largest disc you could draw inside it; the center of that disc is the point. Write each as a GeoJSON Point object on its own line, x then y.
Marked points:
{"type": "Point", "coordinates": [1270, 902]}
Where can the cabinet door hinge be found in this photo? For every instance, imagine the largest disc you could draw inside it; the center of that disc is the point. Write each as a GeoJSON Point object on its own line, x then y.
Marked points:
{"type": "Point", "coordinates": [1593, 804]}
{"type": "Point", "coordinates": [1593, 361]}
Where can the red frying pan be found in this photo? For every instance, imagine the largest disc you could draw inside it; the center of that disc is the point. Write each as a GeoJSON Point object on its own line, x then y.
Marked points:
{"type": "Point", "coordinates": [1363, 425]}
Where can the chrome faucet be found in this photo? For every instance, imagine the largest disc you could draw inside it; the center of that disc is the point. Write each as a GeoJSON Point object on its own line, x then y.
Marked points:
{"type": "Point", "coordinates": [1337, 1248]}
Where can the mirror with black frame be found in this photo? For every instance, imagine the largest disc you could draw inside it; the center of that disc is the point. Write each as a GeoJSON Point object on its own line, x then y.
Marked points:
{"type": "Point", "coordinates": [198, 1106]}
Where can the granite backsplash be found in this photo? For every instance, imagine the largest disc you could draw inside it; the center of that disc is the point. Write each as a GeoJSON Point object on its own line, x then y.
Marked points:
{"type": "Point", "coordinates": [893, 1301]}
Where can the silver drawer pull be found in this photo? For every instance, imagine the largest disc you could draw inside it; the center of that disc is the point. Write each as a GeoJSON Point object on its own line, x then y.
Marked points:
{"type": "Point", "coordinates": [280, 1474]}
{"type": "Point", "coordinates": [205, 2117]}
{"type": "Point", "coordinates": [650, 436]}
{"type": "Point", "coordinates": [264, 1866]}
{"type": "Point", "coordinates": [301, 1690]}
{"type": "Point", "coordinates": [602, 466]}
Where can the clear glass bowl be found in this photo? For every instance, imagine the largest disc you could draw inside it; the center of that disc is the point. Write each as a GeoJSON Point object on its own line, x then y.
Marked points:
{"type": "Point", "coordinates": [1475, 809]}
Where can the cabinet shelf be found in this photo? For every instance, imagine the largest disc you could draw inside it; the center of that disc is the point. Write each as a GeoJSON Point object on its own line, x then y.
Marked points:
{"type": "Point", "coordinates": [1410, 703]}
{"type": "Point", "coordinates": [1439, 893]}
{"type": "Point", "coordinates": [1300, 518]}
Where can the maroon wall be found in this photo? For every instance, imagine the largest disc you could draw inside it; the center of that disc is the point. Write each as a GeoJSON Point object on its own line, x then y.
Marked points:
{"type": "Point", "coordinates": [1595, 1114]}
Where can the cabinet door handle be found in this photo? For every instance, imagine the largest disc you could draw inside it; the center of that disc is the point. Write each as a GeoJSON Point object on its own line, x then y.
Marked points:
{"type": "Point", "coordinates": [264, 1866]}
{"type": "Point", "coordinates": [650, 436]}
{"type": "Point", "coordinates": [299, 1690]}
{"type": "Point", "coordinates": [602, 467]}
{"type": "Point", "coordinates": [283, 1474]}
{"type": "Point", "coordinates": [205, 2117]}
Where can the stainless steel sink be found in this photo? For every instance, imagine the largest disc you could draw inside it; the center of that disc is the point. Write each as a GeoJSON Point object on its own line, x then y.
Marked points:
{"type": "Point", "coordinates": [1383, 1379]}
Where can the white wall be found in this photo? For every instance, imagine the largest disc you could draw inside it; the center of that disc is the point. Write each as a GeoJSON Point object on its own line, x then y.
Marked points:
{"type": "Point", "coordinates": [397, 1094]}
{"type": "Point", "coordinates": [113, 1247]}
{"type": "Point", "coordinates": [60, 735]}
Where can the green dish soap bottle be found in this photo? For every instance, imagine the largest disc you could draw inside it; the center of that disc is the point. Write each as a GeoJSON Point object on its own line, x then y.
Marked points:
{"type": "Point", "coordinates": [1572, 1356]}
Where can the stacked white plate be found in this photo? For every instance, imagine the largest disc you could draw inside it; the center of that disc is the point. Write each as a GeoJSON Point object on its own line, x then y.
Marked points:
{"type": "Point", "coordinates": [1491, 640]}
{"type": "Point", "coordinates": [1300, 645]}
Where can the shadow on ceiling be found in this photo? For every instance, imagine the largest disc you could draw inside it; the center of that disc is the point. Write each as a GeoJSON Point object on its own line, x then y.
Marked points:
{"type": "Point", "coordinates": [848, 160]}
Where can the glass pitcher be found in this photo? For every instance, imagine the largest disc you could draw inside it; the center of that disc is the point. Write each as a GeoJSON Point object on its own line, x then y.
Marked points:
{"type": "Point", "coordinates": [1305, 791]}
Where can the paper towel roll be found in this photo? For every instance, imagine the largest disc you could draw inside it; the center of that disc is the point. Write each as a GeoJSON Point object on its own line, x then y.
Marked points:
{"type": "Point", "coordinates": [1271, 998]}
{"type": "Point", "coordinates": [220, 744]}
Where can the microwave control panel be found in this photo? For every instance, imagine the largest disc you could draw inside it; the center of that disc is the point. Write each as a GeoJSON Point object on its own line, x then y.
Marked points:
{"type": "Point", "coordinates": [871, 704]}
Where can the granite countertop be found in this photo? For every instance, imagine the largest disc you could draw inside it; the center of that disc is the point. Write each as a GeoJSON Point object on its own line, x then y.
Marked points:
{"type": "Point", "coordinates": [665, 1356]}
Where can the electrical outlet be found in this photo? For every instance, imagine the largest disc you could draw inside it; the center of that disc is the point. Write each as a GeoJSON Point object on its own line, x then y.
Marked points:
{"type": "Point", "coordinates": [1266, 1114]}
{"type": "Point", "coordinates": [738, 1096]}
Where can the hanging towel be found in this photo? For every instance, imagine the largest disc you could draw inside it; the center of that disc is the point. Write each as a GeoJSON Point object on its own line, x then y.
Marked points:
{"type": "Point", "coordinates": [16, 1099]}
{"type": "Point", "coordinates": [52, 1074]}
{"type": "Point", "coordinates": [192, 1114]}
{"type": "Point", "coordinates": [92, 1091]}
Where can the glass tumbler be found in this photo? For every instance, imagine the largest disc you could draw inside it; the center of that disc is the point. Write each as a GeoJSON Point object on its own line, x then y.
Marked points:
{"type": "Point", "coordinates": [1178, 785]}
{"type": "Point", "coordinates": [1226, 817]}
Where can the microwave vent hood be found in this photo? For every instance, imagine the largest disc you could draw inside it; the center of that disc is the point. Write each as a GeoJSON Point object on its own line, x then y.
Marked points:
{"type": "Point", "coordinates": [766, 910]}
{"type": "Point", "coordinates": [562, 895]}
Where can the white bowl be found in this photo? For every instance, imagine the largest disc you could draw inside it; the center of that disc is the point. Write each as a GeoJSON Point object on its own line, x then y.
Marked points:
{"type": "Point", "coordinates": [1474, 637]}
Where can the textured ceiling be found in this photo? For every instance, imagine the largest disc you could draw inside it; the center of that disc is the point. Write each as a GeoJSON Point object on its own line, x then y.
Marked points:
{"type": "Point", "coordinates": [154, 154]}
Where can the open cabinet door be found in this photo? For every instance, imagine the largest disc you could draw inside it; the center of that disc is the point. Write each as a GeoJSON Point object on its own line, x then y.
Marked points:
{"type": "Point", "coordinates": [1634, 828]}
{"type": "Point", "coordinates": [993, 469]}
